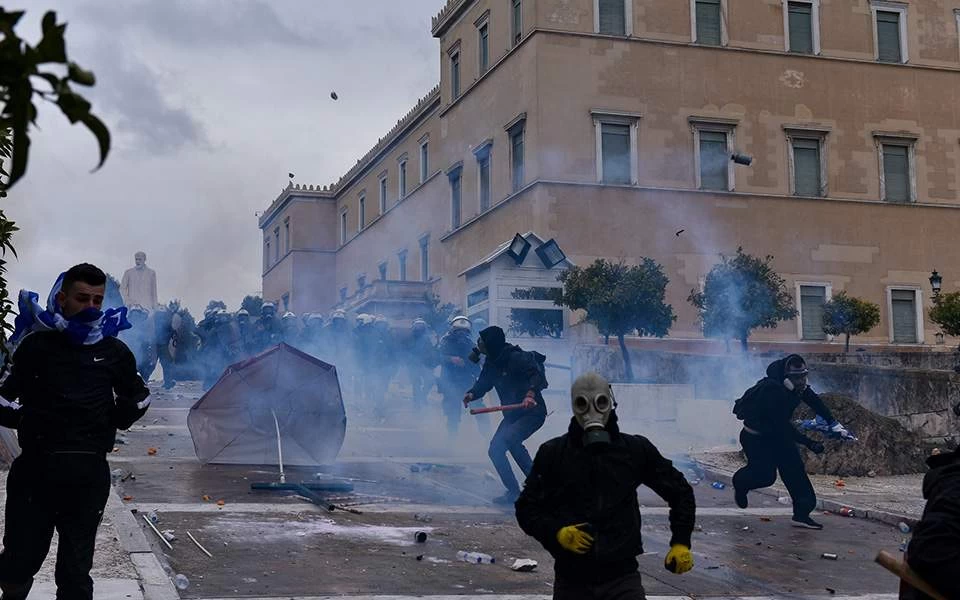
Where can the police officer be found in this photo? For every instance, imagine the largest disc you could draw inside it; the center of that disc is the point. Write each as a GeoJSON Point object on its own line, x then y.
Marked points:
{"type": "Point", "coordinates": [66, 396]}
{"type": "Point", "coordinates": [580, 500]}
{"type": "Point", "coordinates": [457, 372]}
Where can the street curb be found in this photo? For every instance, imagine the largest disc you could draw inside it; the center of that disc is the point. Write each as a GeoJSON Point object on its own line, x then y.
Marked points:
{"type": "Point", "coordinates": [890, 518]}
{"type": "Point", "coordinates": [154, 581]}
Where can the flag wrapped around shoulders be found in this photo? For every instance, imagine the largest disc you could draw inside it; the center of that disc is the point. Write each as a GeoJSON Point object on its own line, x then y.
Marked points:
{"type": "Point", "coordinates": [86, 327]}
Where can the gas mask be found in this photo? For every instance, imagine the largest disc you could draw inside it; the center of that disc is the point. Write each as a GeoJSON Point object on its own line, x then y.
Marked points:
{"type": "Point", "coordinates": [479, 349]}
{"type": "Point", "coordinates": [795, 375]}
{"type": "Point", "coordinates": [593, 402]}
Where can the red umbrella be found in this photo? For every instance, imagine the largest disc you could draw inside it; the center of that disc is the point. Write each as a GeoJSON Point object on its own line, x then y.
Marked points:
{"type": "Point", "coordinates": [281, 406]}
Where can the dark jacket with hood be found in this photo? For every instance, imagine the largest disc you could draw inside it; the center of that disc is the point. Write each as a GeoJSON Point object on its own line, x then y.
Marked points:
{"type": "Point", "coordinates": [597, 484]}
{"type": "Point", "coordinates": [934, 551]}
{"type": "Point", "coordinates": [513, 372]}
{"type": "Point", "coordinates": [71, 397]}
{"type": "Point", "coordinates": [457, 342]}
{"type": "Point", "coordinates": [768, 406]}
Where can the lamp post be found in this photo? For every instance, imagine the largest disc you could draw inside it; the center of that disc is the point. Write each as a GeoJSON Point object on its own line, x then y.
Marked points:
{"type": "Point", "coordinates": [936, 282]}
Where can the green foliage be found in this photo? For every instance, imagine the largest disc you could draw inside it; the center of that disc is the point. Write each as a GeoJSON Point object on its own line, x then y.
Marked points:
{"type": "Point", "coordinates": [252, 304]}
{"type": "Point", "coordinates": [536, 322]}
{"type": "Point", "coordinates": [20, 65]}
{"type": "Point", "coordinates": [620, 299]}
{"type": "Point", "coordinates": [7, 229]}
{"type": "Point", "coordinates": [849, 316]}
{"type": "Point", "coordinates": [438, 315]}
{"type": "Point", "coordinates": [741, 294]}
{"type": "Point", "coordinates": [946, 313]}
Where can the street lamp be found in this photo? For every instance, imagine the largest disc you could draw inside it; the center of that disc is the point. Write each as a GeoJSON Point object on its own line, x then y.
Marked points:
{"type": "Point", "coordinates": [936, 282]}
{"type": "Point", "coordinates": [518, 248]}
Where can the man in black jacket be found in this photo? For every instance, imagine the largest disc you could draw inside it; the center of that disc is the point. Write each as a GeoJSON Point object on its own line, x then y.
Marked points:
{"type": "Point", "coordinates": [518, 379]}
{"type": "Point", "coordinates": [66, 394]}
{"type": "Point", "coordinates": [580, 501]}
{"type": "Point", "coordinates": [934, 551]}
{"type": "Point", "coordinates": [770, 440]}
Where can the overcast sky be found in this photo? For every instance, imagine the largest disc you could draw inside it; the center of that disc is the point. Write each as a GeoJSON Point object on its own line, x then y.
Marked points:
{"type": "Point", "coordinates": [211, 103]}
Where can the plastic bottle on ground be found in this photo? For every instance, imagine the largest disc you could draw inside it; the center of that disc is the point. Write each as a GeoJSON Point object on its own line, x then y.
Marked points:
{"type": "Point", "coordinates": [181, 581]}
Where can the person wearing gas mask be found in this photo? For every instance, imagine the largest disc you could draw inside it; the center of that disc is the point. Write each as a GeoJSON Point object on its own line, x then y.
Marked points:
{"type": "Point", "coordinates": [770, 441]}
{"type": "Point", "coordinates": [934, 550]}
{"type": "Point", "coordinates": [458, 371]}
{"type": "Point", "coordinates": [580, 500]}
{"type": "Point", "coordinates": [518, 377]}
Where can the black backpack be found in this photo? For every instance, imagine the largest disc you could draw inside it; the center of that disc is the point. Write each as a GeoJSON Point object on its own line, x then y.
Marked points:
{"type": "Point", "coordinates": [746, 405]}
{"type": "Point", "coordinates": [539, 360]}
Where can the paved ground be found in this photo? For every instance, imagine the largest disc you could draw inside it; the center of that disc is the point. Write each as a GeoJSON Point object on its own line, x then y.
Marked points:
{"type": "Point", "coordinates": [268, 545]}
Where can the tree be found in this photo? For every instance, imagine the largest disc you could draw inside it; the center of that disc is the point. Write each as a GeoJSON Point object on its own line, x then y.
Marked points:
{"type": "Point", "coordinates": [741, 294]}
{"type": "Point", "coordinates": [620, 299]}
{"type": "Point", "coordinates": [946, 313]}
{"type": "Point", "coordinates": [252, 304]}
{"type": "Point", "coordinates": [536, 322]}
{"type": "Point", "coordinates": [19, 68]}
{"type": "Point", "coordinates": [846, 315]}
{"type": "Point", "coordinates": [438, 315]}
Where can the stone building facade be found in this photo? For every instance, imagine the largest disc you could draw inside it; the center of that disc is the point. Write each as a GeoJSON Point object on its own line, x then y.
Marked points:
{"type": "Point", "coordinates": [607, 126]}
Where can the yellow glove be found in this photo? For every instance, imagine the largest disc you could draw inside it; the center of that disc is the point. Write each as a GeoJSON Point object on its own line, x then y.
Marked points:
{"type": "Point", "coordinates": [679, 559]}
{"type": "Point", "coordinates": [574, 539]}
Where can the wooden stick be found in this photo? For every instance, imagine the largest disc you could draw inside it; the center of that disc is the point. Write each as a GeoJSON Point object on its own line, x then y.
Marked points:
{"type": "Point", "coordinates": [194, 540]}
{"type": "Point", "coordinates": [157, 531]}
{"type": "Point", "coordinates": [493, 409]}
{"type": "Point", "coordinates": [902, 570]}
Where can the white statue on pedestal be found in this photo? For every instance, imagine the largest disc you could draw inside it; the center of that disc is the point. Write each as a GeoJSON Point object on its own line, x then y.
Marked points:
{"type": "Point", "coordinates": [139, 284]}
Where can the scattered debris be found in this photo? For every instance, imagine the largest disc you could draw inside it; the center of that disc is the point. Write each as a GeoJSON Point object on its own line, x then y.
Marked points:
{"type": "Point", "coordinates": [717, 485]}
{"type": "Point", "coordinates": [221, 503]}
{"type": "Point", "coordinates": [116, 474]}
{"type": "Point", "coordinates": [157, 531]}
{"type": "Point", "coordinates": [169, 535]}
{"type": "Point", "coordinates": [766, 519]}
{"type": "Point", "coordinates": [194, 540]}
{"type": "Point", "coordinates": [828, 556]}
{"type": "Point", "coordinates": [871, 473]}
{"type": "Point", "coordinates": [475, 557]}
{"type": "Point", "coordinates": [153, 516]}
{"type": "Point", "coordinates": [904, 528]}
{"type": "Point", "coordinates": [420, 537]}
{"type": "Point", "coordinates": [831, 590]}
{"type": "Point", "coordinates": [436, 468]}
{"type": "Point", "coordinates": [423, 518]}
{"type": "Point", "coordinates": [181, 581]}
{"type": "Point", "coordinates": [205, 498]}
{"type": "Point", "coordinates": [847, 512]}
{"type": "Point", "coordinates": [419, 557]}
{"type": "Point", "coordinates": [840, 483]}
{"type": "Point", "coordinates": [129, 475]}
{"type": "Point", "coordinates": [903, 546]}
{"type": "Point", "coordinates": [127, 498]}
{"type": "Point", "coordinates": [151, 451]}
{"type": "Point", "coordinates": [524, 565]}
{"type": "Point", "coordinates": [712, 567]}
{"type": "Point", "coordinates": [747, 528]}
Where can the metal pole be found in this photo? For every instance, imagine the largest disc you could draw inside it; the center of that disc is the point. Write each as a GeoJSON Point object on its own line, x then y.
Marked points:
{"type": "Point", "coordinates": [283, 478]}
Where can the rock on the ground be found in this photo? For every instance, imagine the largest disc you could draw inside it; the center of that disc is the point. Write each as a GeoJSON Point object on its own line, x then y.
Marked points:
{"type": "Point", "coordinates": [885, 447]}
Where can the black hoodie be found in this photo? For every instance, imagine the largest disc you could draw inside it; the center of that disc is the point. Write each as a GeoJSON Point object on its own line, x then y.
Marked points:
{"type": "Point", "coordinates": [934, 551]}
{"type": "Point", "coordinates": [513, 372]}
{"type": "Point", "coordinates": [597, 484]}
{"type": "Point", "coordinates": [768, 406]}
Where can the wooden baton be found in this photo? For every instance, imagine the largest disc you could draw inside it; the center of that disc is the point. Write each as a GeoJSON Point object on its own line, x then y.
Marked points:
{"type": "Point", "coordinates": [902, 570]}
{"type": "Point", "coordinates": [492, 409]}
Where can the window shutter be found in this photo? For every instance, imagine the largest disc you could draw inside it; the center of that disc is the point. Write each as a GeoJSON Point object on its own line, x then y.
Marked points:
{"type": "Point", "coordinates": [455, 199]}
{"type": "Point", "coordinates": [801, 27]}
{"type": "Point", "coordinates": [613, 20]}
{"type": "Point", "coordinates": [904, 316]}
{"type": "Point", "coordinates": [812, 299]}
{"type": "Point", "coordinates": [806, 167]}
{"type": "Point", "coordinates": [888, 37]}
{"type": "Point", "coordinates": [896, 173]}
{"type": "Point", "coordinates": [713, 160]}
{"type": "Point", "coordinates": [708, 22]}
{"type": "Point", "coordinates": [485, 183]}
{"type": "Point", "coordinates": [615, 152]}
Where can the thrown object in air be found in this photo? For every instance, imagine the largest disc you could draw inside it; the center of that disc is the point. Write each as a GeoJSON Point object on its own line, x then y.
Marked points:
{"type": "Point", "coordinates": [281, 407]}
{"type": "Point", "coordinates": [333, 95]}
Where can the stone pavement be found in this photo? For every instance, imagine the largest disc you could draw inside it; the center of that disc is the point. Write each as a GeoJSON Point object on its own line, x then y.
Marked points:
{"type": "Point", "coordinates": [889, 499]}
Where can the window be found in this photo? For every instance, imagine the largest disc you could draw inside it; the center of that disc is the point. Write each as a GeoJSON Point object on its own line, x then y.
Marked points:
{"type": "Point", "coordinates": [616, 147]}
{"type": "Point", "coordinates": [382, 269]}
{"type": "Point", "coordinates": [515, 131]}
{"type": "Point", "coordinates": [266, 256]}
{"type": "Point", "coordinates": [612, 17]}
{"type": "Point", "coordinates": [402, 180]}
{"type": "Point", "coordinates": [802, 26]}
{"type": "Point", "coordinates": [713, 140]}
{"type": "Point", "coordinates": [276, 246]}
{"type": "Point", "coordinates": [455, 75]}
{"type": "Point", "coordinates": [424, 161]}
{"type": "Point", "coordinates": [481, 295]}
{"type": "Point", "coordinates": [361, 281]}
{"type": "Point", "coordinates": [516, 21]}
{"type": "Point", "coordinates": [890, 19]}
{"type": "Point", "coordinates": [286, 233]}
{"type": "Point", "coordinates": [383, 194]}
{"type": "Point", "coordinates": [812, 299]}
{"type": "Point", "coordinates": [897, 182]}
{"type": "Point", "coordinates": [361, 212]}
{"type": "Point", "coordinates": [483, 46]}
{"type": "Point", "coordinates": [904, 319]}
{"type": "Point", "coordinates": [807, 169]}
{"type": "Point", "coordinates": [343, 227]}
{"type": "Point", "coordinates": [286, 301]}
{"type": "Point", "coordinates": [343, 294]}
{"type": "Point", "coordinates": [482, 153]}
{"type": "Point", "coordinates": [455, 176]}
{"type": "Point", "coordinates": [708, 22]}
{"type": "Point", "coordinates": [425, 258]}
{"type": "Point", "coordinates": [402, 260]}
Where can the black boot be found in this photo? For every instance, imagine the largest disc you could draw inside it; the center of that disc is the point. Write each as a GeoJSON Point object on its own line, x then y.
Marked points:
{"type": "Point", "coordinates": [15, 591]}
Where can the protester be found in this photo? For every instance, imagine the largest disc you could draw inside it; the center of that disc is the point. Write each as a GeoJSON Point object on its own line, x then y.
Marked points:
{"type": "Point", "coordinates": [580, 500]}
{"type": "Point", "coordinates": [71, 386]}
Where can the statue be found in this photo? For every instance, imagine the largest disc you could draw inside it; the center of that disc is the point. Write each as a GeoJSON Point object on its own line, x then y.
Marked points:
{"type": "Point", "coordinates": [139, 284]}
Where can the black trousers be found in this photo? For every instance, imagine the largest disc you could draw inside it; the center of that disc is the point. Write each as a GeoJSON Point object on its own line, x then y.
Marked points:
{"type": "Point", "coordinates": [627, 587]}
{"type": "Point", "coordinates": [509, 437]}
{"type": "Point", "coordinates": [765, 457]}
{"type": "Point", "coordinates": [66, 492]}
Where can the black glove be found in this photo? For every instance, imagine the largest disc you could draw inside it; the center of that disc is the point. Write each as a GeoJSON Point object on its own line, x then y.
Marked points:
{"type": "Point", "coordinates": [815, 447]}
